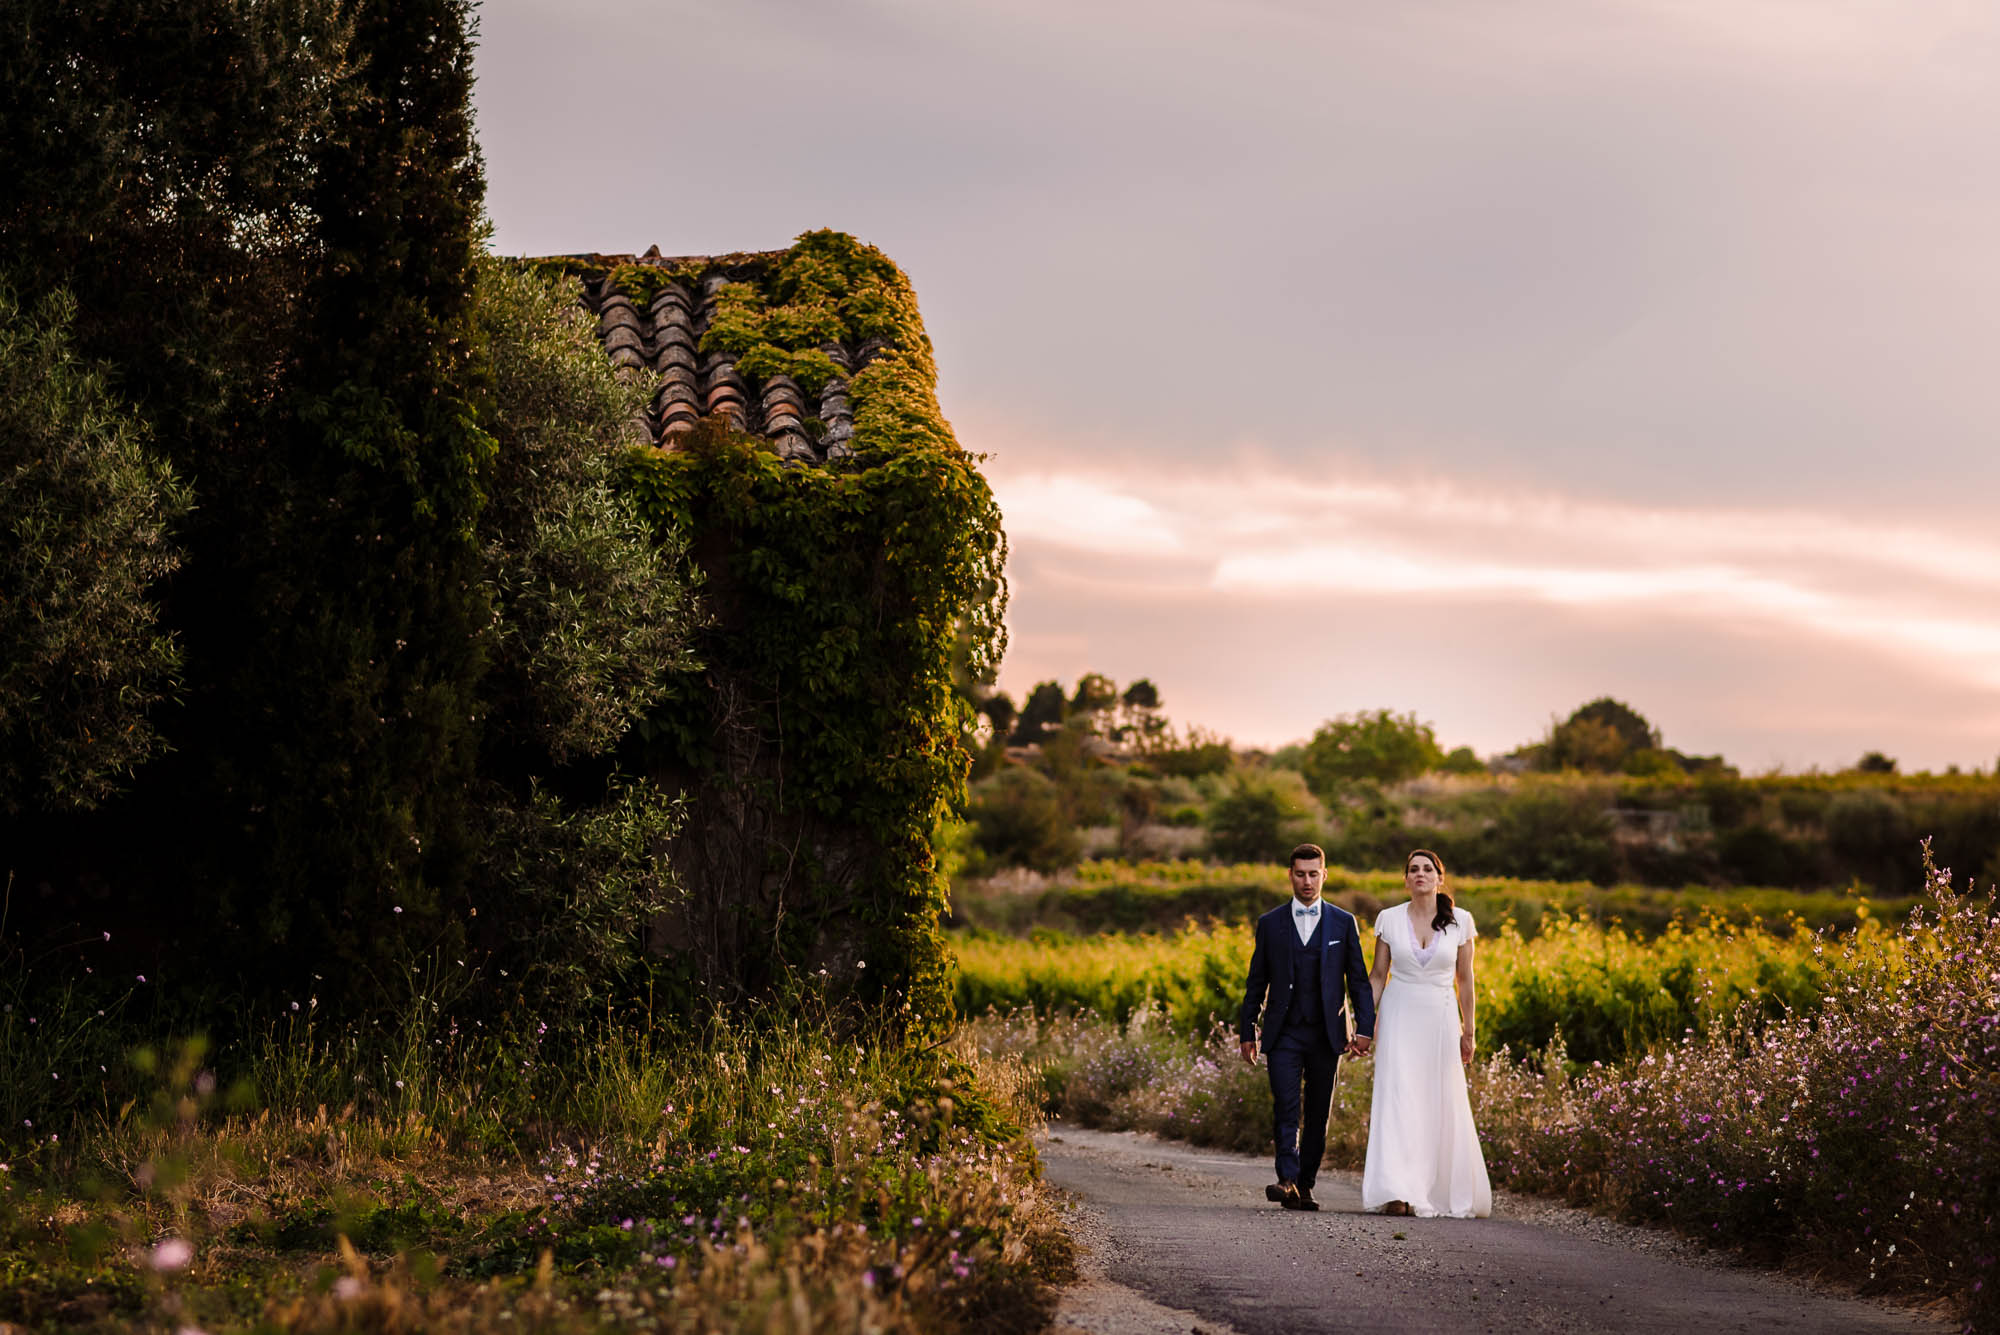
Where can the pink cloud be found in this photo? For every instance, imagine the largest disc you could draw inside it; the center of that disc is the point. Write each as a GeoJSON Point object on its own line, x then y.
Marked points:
{"type": "Point", "coordinates": [1262, 605]}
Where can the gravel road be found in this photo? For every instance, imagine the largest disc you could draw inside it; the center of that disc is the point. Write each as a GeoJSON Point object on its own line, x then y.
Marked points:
{"type": "Point", "coordinates": [1178, 1239]}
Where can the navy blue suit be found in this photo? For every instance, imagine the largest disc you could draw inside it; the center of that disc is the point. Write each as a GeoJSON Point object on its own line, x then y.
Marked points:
{"type": "Point", "coordinates": [1299, 989]}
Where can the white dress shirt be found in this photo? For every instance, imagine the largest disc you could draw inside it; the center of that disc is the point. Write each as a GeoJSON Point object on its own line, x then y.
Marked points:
{"type": "Point", "coordinates": [1306, 917]}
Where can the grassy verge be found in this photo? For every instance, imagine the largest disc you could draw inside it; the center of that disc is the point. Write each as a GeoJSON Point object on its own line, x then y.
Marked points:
{"type": "Point", "coordinates": [774, 1179]}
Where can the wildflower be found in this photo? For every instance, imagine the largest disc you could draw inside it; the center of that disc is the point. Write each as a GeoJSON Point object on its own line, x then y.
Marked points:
{"type": "Point", "coordinates": [171, 1254]}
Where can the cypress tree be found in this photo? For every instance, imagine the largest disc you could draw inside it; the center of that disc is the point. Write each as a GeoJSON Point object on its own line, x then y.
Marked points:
{"type": "Point", "coordinates": [367, 683]}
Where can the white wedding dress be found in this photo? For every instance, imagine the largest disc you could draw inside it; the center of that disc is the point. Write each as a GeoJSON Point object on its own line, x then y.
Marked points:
{"type": "Point", "coordinates": [1422, 1147]}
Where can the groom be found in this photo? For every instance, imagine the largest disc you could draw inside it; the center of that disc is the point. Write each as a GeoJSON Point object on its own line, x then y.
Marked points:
{"type": "Point", "coordinates": [1307, 951]}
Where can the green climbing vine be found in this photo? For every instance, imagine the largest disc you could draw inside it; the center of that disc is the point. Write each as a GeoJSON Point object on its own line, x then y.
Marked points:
{"type": "Point", "coordinates": [847, 586]}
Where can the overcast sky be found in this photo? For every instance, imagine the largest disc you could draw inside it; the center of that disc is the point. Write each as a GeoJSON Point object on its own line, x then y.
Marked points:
{"type": "Point", "coordinates": [1457, 356]}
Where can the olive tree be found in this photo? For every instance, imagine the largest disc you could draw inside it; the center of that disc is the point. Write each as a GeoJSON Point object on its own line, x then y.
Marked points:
{"type": "Point", "coordinates": [85, 509]}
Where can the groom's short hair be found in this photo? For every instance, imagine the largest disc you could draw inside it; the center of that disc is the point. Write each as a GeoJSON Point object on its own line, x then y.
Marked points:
{"type": "Point", "coordinates": [1307, 852]}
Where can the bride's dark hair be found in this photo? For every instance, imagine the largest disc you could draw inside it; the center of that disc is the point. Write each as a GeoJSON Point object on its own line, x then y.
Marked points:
{"type": "Point", "coordinates": [1443, 917]}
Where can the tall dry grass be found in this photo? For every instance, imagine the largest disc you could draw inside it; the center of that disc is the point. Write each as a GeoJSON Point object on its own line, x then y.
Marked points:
{"type": "Point", "coordinates": [779, 1177]}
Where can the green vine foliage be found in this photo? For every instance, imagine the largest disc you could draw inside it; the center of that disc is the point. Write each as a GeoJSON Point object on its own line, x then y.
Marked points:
{"type": "Point", "coordinates": [821, 740]}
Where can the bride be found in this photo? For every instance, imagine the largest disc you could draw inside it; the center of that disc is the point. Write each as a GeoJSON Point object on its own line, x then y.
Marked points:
{"type": "Point", "coordinates": [1423, 1152]}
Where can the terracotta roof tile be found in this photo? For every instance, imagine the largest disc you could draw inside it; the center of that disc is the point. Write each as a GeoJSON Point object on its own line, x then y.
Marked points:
{"type": "Point", "coordinates": [662, 338]}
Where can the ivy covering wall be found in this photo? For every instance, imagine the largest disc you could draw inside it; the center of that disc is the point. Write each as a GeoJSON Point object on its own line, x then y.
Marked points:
{"type": "Point", "coordinates": [819, 742]}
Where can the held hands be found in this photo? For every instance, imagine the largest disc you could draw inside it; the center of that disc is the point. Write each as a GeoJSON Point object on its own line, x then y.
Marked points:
{"type": "Point", "coordinates": [1360, 1045]}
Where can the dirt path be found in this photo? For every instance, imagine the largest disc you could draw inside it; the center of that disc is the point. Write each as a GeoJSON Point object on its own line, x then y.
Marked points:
{"type": "Point", "coordinates": [1178, 1238]}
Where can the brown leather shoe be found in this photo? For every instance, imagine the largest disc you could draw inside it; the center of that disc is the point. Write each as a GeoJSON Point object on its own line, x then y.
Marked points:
{"type": "Point", "coordinates": [1302, 1199]}
{"type": "Point", "coordinates": [1282, 1192]}
{"type": "Point", "coordinates": [1401, 1208]}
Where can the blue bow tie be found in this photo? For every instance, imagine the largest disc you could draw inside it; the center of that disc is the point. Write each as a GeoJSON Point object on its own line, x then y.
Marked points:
{"type": "Point", "coordinates": [1305, 912]}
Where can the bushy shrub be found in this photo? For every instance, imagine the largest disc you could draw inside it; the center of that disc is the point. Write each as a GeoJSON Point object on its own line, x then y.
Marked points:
{"type": "Point", "coordinates": [1374, 744]}
{"type": "Point", "coordinates": [1868, 830]}
{"type": "Point", "coordinates": [1804, 806]}
{"type": "Point", "coordinates": [1261, 816]}
{"type": "Point", "coordinates": [1189, 755]}
{"type": "Point", "coordinates": [1462, 760]}
{"type": "Point", "coordinates": [1651, 762]}
{"type": "Point", "coordinates": [1730, 801]}
{"type": "Point", "coordinates": [570, 891]}
{"type": "Point", "coordinates": [1550, 830]}
{"type": "Point", "coordinates": [1018, 820]}
{"type": "Point", "coordinates": [1600, 736]}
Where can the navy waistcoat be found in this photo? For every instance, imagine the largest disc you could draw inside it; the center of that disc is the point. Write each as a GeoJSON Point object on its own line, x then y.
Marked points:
{"type": "Point", "coordinates": [1308, 1006]}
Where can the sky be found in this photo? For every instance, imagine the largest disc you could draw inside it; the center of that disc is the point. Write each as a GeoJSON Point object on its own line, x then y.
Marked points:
{"type": "Point", "coordinates": [1462, 358]}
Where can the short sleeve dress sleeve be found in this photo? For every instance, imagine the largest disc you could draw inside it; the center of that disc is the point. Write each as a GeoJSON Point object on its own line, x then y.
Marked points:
{"type": "Point", "coordinates": [1465, 923]}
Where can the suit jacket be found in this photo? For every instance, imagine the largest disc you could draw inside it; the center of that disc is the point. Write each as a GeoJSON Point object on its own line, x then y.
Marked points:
{"type": "Point", "coordinates": [1341, 965]}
